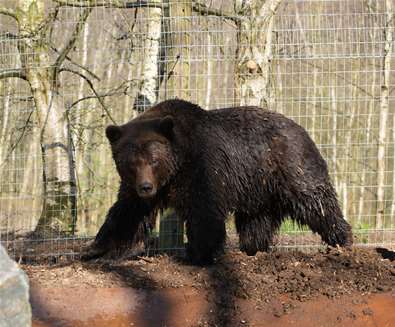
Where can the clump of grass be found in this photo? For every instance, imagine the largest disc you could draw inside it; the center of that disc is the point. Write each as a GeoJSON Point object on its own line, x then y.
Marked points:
{"type": "Point", "coordinates": [291, 226]}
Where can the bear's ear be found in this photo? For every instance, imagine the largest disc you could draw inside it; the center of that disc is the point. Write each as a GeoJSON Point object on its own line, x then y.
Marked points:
{"type": "Point", "coordinates": [166, 126]}
{"type": "Point", "coordinates": [113, 133]}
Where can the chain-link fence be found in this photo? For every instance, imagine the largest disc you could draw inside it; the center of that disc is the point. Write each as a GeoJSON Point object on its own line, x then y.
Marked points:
{"type": "Point", "coordinates": [68, 68]}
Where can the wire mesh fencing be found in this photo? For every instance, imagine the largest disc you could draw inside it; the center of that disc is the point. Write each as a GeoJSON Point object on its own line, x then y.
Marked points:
{"type": "Point", "coordinates": [68, 68]}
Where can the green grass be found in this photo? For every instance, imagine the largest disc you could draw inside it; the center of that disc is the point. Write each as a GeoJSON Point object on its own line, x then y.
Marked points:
{"type": "Point", "coordinates": [290, 226]}
{"type": "Point", "coordinates": [287, 226]}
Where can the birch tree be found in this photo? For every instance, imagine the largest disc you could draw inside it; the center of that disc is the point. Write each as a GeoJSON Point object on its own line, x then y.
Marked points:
{"type": "Point", "coordinates": [334, 137]}
{"type": "Point", "coordinates": [148, 91]}
{"type": "Point", "coordinates": [254, 52]}
{"type": "Point", "coordinates": [41, 73]}
{"type": "Point", "coordinates": [346, 167]}
{"type": "Point", "coordinates": [5, 120]}
{"type": "Point", "coordinates": [393, 168]}
{"type": "Point", "coordinates": [384, 106]}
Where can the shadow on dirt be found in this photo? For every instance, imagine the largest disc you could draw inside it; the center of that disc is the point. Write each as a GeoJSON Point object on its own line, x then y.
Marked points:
{"type": "Point", "coordinates": [145, 305]}
{"type": "Point", "coordinates": [225, 288]}
{"type": "Point", "coordinates": [42, 313]}
{"type": "Point", "coordinates": [154, 307]}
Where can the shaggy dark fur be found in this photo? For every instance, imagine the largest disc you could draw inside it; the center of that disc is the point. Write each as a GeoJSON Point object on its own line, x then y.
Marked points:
{"type": "Point", "coordinates": [205, 164]}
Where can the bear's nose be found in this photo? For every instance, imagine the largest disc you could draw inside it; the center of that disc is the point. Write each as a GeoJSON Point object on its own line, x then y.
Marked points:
{"type": "Point", "coordinates": [146, 187]}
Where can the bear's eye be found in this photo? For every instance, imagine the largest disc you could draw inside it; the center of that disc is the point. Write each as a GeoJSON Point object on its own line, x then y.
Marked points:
{"type": "Point", "coordinates": [154, 162]}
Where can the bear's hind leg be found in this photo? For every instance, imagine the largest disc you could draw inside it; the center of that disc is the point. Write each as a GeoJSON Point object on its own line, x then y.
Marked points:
{"type": "Point", "coordinates": [323, 215]}
{"type": "Point", "coordinates": [256, 233]}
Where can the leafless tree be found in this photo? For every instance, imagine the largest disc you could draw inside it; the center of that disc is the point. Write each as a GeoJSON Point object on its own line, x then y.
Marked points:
{"type": "Point", "coordinates": [42, 73]}
{"type": "Point", "coordinates": [148, 89]}
{"type": "Point", "coordinates": [384, 107]}
{"type": "Point", "coordinates": [254, 54]}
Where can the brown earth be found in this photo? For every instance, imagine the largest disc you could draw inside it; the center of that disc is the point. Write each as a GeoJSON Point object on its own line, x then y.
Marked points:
{"type": "Point", "coordinates": [326, 288]}
{"type": "Point", "coordinates": [185, 306]}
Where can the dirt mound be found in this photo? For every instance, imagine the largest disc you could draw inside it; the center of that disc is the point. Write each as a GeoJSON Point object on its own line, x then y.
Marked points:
{"type": "Point", "coordinates": [299, 275]}
{"type": "Point", "coordinates": [303, 276]}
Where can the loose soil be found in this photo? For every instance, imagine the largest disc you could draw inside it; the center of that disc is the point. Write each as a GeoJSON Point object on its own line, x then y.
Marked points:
{"type": "Point", "coordinates": [326, 288]}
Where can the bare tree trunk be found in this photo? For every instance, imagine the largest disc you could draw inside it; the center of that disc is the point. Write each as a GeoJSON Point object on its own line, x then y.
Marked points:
{"type": "Point", "coordinates": [208, 81]}
{"type": "Point", "coordinates": [348, 151]}
{"type": "Point", "coordinates": [148, 92]}
{"type": "Point", "coordinates": [177, 50]}
{"type": "Point", "coordinates": [80, 136]}
{"type": "Point", "coordinates": [42, 75]}
{"type": "Point", "coordinates": [4, 132]}
{"type": "Point", "coordinates": [368, 139]}
{"type": "Point", "coordinates": [334, 138]}
{"type": "Point", "coordinates": [28, 171]}
{"type": "Point", "coordinates": [127, 110]}
{"type": "Point", "coordinates": [84, 61]}
{"type": "Point", "coordinates": [176, 85]}
{"type": "Point", "coordinates": [49, 114]}
{"type": "Point", "coordinates": [133, 66]}
{"type": "Point", "coordinates": [384, 104]}
{"type": "Point", "coordinates": [393, 169]}
{"type": "Point", "coordinates": [89, 220]}
{"type": "Point", "coordinates": [254, 52]}
{"type": "Point", "coordinates": [49, 111]}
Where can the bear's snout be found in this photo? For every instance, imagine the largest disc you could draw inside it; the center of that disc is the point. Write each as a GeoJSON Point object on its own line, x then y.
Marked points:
{"type": "Point", "coordinates": [145, 190]}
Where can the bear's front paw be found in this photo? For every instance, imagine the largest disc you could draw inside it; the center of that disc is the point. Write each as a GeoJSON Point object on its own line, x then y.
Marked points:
{"type": "Point", "coordinates": [92, 251]}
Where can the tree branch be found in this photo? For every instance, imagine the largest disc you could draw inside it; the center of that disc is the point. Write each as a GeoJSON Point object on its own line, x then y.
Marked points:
{"type": "Point", "coordinates": [8, 12]}
{"type": "Point", "coordinates": [13, 73]}
{"type": "Point", "coordinates": [54, 16]}
{"type": "Point", "coordinates": [111, 4]}
{"type": "Point", "coordinates": [197, 6]}
{"type": "Point", "coordinates": [99, 97]}
{"type": "Point", "coordinates": [109, 94]}
{"type": "Point", "coordinates": [203, 9]}
{"type": "Point", "coordinates": [115, 91]}
{"type": "Point", "coordinates": [92, 74]}
{"type": "Point", "coordinates": [70, 44]}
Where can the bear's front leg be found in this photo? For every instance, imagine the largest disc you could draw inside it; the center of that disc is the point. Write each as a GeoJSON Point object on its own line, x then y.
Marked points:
{"type": "Point", "coordinates": [206, 236]}
{"type": "Point", "coordinates": [120, 227]}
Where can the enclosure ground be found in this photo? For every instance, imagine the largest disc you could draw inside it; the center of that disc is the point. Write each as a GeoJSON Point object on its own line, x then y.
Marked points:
{"type": "Point", "coordinates": [187, 306]}
{"type": "Point", "coordinates": [331, 287]}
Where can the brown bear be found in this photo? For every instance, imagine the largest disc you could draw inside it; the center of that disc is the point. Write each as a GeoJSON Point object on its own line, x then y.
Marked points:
{"type": "Point", "coordinates": [254, 163]}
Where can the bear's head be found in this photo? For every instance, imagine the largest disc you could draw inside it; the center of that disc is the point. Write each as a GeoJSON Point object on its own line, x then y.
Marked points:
{"type": "Point", "coordinates": [143, 154]}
